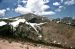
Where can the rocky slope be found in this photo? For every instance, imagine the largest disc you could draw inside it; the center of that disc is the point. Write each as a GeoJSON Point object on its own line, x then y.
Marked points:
{"type": "Point", "coordinates": [49, 33]}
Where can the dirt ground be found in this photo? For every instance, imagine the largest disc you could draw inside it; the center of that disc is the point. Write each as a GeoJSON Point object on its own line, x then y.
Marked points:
{"type": "Point", "coordinates": [5, 44]}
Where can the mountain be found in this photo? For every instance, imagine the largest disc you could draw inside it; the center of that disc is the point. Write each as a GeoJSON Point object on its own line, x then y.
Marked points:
{"type": "Point", "coordinates": [33, 18]}
{"type": "Point", "coordinates": [30, 22]}
{"type": "Point", "coordinates": [43, 31]}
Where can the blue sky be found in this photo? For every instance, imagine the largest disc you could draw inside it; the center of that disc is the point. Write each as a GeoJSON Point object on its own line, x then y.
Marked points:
{"type": "Point", "coordinates": [49, 8]}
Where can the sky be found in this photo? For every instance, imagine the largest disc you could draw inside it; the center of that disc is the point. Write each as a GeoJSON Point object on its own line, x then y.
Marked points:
{"type": "Point", "coordinates": [49, 8]}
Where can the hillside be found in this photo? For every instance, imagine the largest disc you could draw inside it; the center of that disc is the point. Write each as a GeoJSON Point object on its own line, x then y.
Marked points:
{"type": "Point", "coordinates": [39, 30]}
{"type": "Point", "coordinates": [59, 33]}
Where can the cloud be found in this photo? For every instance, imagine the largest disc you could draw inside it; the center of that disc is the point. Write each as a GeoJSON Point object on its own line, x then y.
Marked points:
{"type": "Point", "coordinates": [2, 12]}
{"type": "Point", "coordinates": [46, 1]}
{"type": "Point", "coordinates": [22, 10]}
{"type": "Point", "coordinates": [61, 6]}
{"type": "Point", "coordinates": [24, 1]}
{"type": "Point", "coordinates": [33, 6]}
{"type": "Point", "coordinates": [58, 10]}
{"type": "Point", "coordinates": [62, 1]}
{"type": "Point", "coordinates": [69, 2]}
{"type": "Point", "coordinates": [44, 7]}
{"type": "Point", "coordinates": [48, 13]}
{"type": "Point", "coordinates": [37, 6]}
{"type": "Point", "coordinates": [56, 3]}
{"type": "Point", "coordinates": [8, 9]}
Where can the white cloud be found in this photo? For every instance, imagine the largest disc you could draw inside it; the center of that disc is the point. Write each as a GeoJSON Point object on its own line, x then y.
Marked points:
{"type": "Point", "coordinates": [24, 1]}
{"type": "Point", "coordinates": [48, 13]}
{"type": "Point", "coordinates": [22, 10]}
{"type": "Point", "coordinates": [44, 7]}
{"type": "Point", "coordinates": [58, 10]}
{"type": "Point", "coordinates": [2, 12]}
{"type": "Point", "coordinates": [56, 3]}
{"type": "Point", "coordinates": [62, 1]}
{"type": "Point", "coordinates": [34, 6]}
{"type": "Point", "coordinates": [37, 6]}
{"type": "Point", "coordinates": [8, 9]}
{"type": "Point", "coordinates": [61, 6]}
{"type": "Point", "coordinates": [46, 1]}
{"type": "Point", "coordinates": [69, 2]}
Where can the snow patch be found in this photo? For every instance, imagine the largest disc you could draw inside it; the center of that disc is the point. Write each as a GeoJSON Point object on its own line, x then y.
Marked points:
{"type": "Point", "coordinates": [2, 23]}
{"type": "Point", "coordinates": [2, 12]}
{"type": "Point", "coordinates": [54, 41]}
{"type": "Point", "coordinates": [16, 23]}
